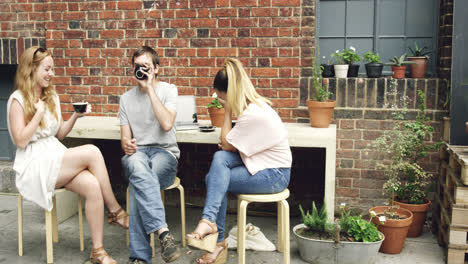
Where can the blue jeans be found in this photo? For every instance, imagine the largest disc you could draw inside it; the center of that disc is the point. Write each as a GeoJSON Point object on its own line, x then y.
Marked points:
{"type": "Point", "coordinates": [229, 174]}
{"type": "Point", "coordinates": [149, 170]}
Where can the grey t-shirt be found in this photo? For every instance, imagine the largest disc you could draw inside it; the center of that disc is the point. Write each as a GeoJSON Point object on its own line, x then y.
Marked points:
{"type": "Point", "coordinates": [136, 111]}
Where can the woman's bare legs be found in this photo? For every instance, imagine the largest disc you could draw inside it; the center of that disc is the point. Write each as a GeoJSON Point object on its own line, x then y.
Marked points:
{"type": "Point", "coordinates": [87, 157]}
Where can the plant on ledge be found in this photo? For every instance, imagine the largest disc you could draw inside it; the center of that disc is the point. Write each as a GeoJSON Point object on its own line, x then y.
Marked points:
{"type": "Point", "coordinates": [420, 58]}
{"type": "Point", "coordinates": [341, 66]}
{"type": "Point", "coordinates": [398, 67]}
{"type": "Point", "coordinates": [319, 105]}
{"type": "Point", "coordinates": [216, 111]}
{"type": "Point", "coordinates": [373, 66]}
{"type": "Point", "coordinates": [407, 181]}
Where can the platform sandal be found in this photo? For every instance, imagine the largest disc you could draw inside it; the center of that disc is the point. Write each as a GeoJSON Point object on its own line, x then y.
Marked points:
{"type": "Point", "coordinates": [204, 241]}
{"type": "Point", "coordinates": [98, 255]}
{"type": "Point", "coordinates": [114, 217]}
{"type": "Point", "coordinates": [220, 259]}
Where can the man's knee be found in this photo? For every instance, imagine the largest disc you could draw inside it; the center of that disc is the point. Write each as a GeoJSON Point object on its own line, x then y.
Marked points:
{"type": "Point", "coordinates": [135, 163]}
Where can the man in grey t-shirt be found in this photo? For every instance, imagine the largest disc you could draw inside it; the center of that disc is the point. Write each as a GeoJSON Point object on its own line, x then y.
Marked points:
{"type": "Point", "coordinates": [147, 114]}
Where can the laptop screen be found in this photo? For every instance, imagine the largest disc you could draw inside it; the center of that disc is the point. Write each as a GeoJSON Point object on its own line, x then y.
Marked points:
{"type": "Point", "coordinates": [186, 112]}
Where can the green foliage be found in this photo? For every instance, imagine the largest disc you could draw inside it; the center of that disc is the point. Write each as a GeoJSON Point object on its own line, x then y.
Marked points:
{"type": "Point", "coordinates": [347, 56]}
{"type": "Point", "coordinates": [405, 146]}
{"type": "Point", "coordinates": [357, 228]}
{"type": "Point", "coordinates": [419, 52]}
{"type": "Point", "coordinates": [317, 220]}
{"type": "Point", "coordinates": [398, 61]}
{"type": "Point", "coordinates": [320, 92]}
{"type": "Point", "coordinates": [215, 104]}
{"type": "Point", "coordinates": [371, 57]}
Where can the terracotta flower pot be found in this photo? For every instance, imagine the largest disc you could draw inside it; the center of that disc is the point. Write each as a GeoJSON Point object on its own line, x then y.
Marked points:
{"type": "Point", "coordinates": [216, 116]}
{"type": "Point", "coordinates": [395, 231]}
{"type": "Point", "coordinates": [398, 72]}
{"type": "Point", "coordinates": [419, 216]}
{"type": "Point", "coordinates": [418, 70]}
{"type": "Point", "coordinates": [320, 113]}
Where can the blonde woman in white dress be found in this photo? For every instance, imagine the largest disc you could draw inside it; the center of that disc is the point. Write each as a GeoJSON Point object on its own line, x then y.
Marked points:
{"type": "Point", "coordinates": [43, 164]}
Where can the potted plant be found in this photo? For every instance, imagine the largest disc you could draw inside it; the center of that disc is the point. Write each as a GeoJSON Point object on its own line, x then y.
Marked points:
{"type": "Point", "coordinates": [320, 106]}
{"type": "Point", "coordinates": [328, 69]}
{"type": "Point", "coordinates": [216, 111]}
{"type": "Point", "coordinates": [341, 67]}
{"type": "Point", "coordinates": [373, 66]}
{"type": "Point", "coordinates": [350, 57]}
{"type": "Point", "coordinates": [351, 240]}
{"type": "Point", "coordinates": [407, 181]}
{"type": "Point", "coordinates": [398, 66]}
{"type": "Point", "coordinates": [420, 59]}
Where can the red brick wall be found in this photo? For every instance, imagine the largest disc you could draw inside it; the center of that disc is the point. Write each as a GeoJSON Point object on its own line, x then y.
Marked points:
{"type": "Point", "coordinates": [444, 59]}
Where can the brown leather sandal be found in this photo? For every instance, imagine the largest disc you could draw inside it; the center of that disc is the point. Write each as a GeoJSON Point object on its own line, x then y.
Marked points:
{"type": "Point", "coordinates": [114, 217]}
{"type": "Point", "coordinates": [204, 241]}
{"type": "Point", "coordinates": [98, 255]}
{"type": "Point", "coordinates": [220, 259]}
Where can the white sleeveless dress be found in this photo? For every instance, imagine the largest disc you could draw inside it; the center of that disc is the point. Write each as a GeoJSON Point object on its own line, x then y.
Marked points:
{"type": "Point", "coordinates": [37, 166]}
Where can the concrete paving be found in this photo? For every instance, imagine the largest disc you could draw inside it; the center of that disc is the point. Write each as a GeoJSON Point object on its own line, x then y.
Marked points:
{"type": "Point", "coordinates": [417, 250]}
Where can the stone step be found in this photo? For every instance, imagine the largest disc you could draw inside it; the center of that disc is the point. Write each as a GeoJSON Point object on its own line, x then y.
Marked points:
{"type": "Point", "coordinates": [7, 177]}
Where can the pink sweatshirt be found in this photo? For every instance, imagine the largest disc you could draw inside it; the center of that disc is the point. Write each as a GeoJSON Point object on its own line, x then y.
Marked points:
{"type": "Point", "coordinates": [261, 138]}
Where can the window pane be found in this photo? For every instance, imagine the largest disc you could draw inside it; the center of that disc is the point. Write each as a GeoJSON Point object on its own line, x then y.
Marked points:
{"type": "Point", "coordinates": [362, 46]}
{"type": "Point", "coordinates": [392, 17]}
{"type": "Point", "coordinates": [329, 46]}
{"type": "Point", "coordinates": [389, 48]}
{"type": "Point", "coordinates": [420, 18]}
{"type": "Point", "coordinates": [3, 103]}
{"type": "Point", "coordinates": [4, 145]}
{"type": "Point", "coordinates": [332, 18]}
{"type": "Point", "coordinates": [360, 18]}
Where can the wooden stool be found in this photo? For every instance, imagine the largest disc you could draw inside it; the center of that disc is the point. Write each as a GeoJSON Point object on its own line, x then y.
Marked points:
{"type": "Point", "coordinates": [51, 226]}
{"type": "Point", "coordinates": [177, 185]}
{"type": "Point", "coordinates": [283, 220]}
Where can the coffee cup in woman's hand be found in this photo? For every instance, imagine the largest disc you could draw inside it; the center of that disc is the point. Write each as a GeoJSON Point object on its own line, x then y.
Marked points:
{"type": "Point", "coordinates": [80, 107]}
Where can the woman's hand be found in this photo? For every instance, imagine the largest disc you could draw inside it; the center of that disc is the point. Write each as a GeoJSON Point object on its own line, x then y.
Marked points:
{"type": "Point", "coordinates": [88, 110]}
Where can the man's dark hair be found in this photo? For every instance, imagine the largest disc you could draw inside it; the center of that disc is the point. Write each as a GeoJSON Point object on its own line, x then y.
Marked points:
{"type": "Point", "coordinates": [145, 49]}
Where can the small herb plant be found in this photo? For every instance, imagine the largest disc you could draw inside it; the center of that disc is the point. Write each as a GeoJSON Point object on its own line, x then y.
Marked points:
{"type": "Point", "coordinates": [399, 61]}
{"type": "Point", "coordinates": [371, 57]}
{"type": "Point", "coordinates": [320, 93]}
{"type": "Point", "coordinates": [347, 56]}
{"type": "Point", "coordinates": [358, 229]}
{"type": "Point", "coordinates": [215, 102]}
{"type": "Point", "coordinates": [317, 221]}
{"type": "Point", "coordinates": [419, 52]}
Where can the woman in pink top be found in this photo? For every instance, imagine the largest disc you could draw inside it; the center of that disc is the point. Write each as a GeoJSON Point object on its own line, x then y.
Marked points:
{"type": "Point", "coordinates": [255, 157]}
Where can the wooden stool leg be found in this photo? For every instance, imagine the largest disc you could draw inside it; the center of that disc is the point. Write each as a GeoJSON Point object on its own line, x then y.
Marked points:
{"type": "Point", "coordinates": [49, 235]}
{"type": "Point", "coordinates": [20, 225]}
{"type": "Point", "coordinates": [280, 227]}
{"type": "Point", "coordinates": [163, 198]}
{"type": "Point", "coordinates": [182, 213]}
{"type": "Point", "coordinates": [241, 222]}
{"type": "Point", "coordinates": [152, 244]}
{"type": "Point", "coordinates": [285, 213]}
{"type": "Point", "coordinates": [128, 210]}
{"type": "Point", "coordinates": [54, 220]}
{"type": "Point", "coordinates": [80, 221]}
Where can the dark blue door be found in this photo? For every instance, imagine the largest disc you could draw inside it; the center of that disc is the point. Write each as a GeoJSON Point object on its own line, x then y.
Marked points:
{"type": "Point", "coordinates": [7, 73]}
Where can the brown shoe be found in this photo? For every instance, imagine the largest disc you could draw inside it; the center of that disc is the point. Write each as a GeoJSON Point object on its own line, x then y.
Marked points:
{"type": "Point", "coordinates": [114, 217]}
{"type": "Point", "coordinates": [220, 259]}
{"type": "Point", "coordinates": [204, 241]}
{"type": "Point", "coordinates": [98, 255]}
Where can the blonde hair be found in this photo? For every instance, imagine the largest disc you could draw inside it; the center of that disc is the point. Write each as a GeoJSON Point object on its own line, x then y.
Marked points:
{"type": "Point", "coordinates": [233, 79]}
{"type": "Point", "coordinates": [27, 66]}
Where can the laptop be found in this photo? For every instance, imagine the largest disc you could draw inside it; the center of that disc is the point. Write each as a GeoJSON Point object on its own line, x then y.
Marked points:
{"type": "Point", "coordinates": [186, 118]}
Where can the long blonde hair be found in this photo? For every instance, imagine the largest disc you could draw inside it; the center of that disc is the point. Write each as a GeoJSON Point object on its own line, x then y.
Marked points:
{"type": "Point", "coordinates": [28, 64]}
{"type": "Point", "coordinates": [233, 79]}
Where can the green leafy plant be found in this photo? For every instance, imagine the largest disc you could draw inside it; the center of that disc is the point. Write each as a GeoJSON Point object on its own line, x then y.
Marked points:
{"type": "Point", "coordinates": [371, 57]}
{"type": "Point", "coordinates": [320, 92]}
{"type": "Point", "coordinates": [419, 52]}
{"type": "Point", "coordinates": [317, 221]}
{"type": "Point", "coordinates": [398, 61]}
{"type": "Point", "coordinates": [358, 229]}
{"type": "Point", "coordinates": [347, 56]}
{"type": "Point", "coordinates": [215, 102]}
{"type": "Point", "coordinates": [405, 146]}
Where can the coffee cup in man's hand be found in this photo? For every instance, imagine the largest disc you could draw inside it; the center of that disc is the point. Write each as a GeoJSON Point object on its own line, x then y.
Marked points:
{"type": "Point", "coordinates": [139, 72]}
{"type": "Point", "coordinates": [80, 107]}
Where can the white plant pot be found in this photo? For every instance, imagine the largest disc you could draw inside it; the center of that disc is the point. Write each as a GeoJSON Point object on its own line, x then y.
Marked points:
{"type": "Point", "coordinates": [341, 70]}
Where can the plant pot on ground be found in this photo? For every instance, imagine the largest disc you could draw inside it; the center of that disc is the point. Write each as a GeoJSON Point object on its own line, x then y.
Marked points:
{"type": "Point", "coordinates": [394, 226]}
{"type": "Point", "coordinates": [353, 240]}
{"type": "Point", "coordinates": [373, 66]}
{"type": "Point", "coordinates": [420, 59]}
{"type": "Point", "coordinates": [320, 106]}
{"type": "Point", "coordinates": [419, 215]}
{"type": "Point", "coordinates": [404, 146]}
{"type": "Point", "coordinates": [398, 67]}
{"type": "Point", "coordinates": [216, 111]}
